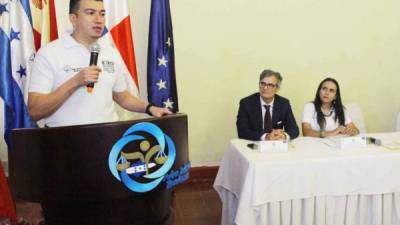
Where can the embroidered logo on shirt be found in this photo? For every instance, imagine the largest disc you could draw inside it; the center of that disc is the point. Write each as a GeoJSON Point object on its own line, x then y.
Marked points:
{"type": "Point", "coordinates": [69, 68]}
{"type": "Point", "coordinates": [108, 66]}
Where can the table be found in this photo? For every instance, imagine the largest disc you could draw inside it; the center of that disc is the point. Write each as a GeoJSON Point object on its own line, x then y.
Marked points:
{"type": "Point", "coordinates": [310, 184]}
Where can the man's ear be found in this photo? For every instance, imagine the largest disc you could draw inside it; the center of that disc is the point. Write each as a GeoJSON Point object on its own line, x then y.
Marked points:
{"type": "Point", "coordinates": [72, 19]}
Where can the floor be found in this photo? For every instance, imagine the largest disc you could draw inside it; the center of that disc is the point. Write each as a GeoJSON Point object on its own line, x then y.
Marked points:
{"type": "Point", "coordinates": [197, 203]}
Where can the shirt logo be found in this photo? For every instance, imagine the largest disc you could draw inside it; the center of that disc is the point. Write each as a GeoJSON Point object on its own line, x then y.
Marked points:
{"type": "Point", "coordinates": [108, 66]}
{"type": "Point", "coordinates": [69, 68]}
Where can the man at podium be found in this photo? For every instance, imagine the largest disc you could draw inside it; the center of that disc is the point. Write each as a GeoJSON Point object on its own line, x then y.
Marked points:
{"type": "Point", "coordinates": [65, 89]}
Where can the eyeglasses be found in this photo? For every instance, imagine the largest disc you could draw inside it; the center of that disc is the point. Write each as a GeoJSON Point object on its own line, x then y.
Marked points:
{"type": "Point", "coordinates": [268, 85]}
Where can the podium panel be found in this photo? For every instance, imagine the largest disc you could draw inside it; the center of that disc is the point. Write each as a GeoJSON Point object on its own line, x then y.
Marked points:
{"type": "Point", "coordinates": [102, 166]}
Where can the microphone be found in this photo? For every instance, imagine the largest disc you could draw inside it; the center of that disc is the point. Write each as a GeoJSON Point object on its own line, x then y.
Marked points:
{"type": "Point", "coordinates": [94, 55]}
{"type": "Point", "coordinates": [374, 141]}
{"type": "Point", "coordinates": [252, 146]}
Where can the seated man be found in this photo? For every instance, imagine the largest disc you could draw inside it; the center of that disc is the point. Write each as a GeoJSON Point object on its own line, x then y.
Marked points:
{"type": "Point", "coordinates": [266, 115]}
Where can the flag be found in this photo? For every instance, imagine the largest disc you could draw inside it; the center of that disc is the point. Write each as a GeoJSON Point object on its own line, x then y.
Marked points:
{"type": "Point", "coordinates": [16, 56]}
{"type": "Point", "coordinates": [161, 82]}
{"type": "Point", "coordinates": [7, 208]}
{"type": "Point", "coordinates": [44, 22]}
{"type": "Point", "coordinates": [119, 34]}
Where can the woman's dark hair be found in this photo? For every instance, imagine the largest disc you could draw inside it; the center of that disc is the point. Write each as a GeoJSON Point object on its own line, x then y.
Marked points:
{"type": "Point", "coordinates": [337, 105]}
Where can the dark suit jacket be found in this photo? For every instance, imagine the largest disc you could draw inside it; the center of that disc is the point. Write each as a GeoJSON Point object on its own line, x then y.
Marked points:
{"type": "Point", "coordinates": [249, 121]}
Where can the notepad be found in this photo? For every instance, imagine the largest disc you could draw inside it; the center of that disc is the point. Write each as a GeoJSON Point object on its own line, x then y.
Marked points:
{"type": "Point", "coordinates": [345, 142]}
{"type": "Point", "coordinates": [273, 146]}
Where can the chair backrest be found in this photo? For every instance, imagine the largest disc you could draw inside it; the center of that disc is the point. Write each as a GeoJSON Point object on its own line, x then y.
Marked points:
{"type": "Point", "coordinates": [355, 113]}
{"type": "Point", "coordinates": [398, 122]}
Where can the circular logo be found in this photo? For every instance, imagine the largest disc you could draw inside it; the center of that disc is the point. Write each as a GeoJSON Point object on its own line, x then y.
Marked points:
{"type": "Point", "coordinates": [142, 169]}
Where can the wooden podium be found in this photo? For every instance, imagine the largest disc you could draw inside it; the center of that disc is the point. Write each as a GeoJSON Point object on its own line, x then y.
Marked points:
{"type": "Point", "coordinates": [68, 170]}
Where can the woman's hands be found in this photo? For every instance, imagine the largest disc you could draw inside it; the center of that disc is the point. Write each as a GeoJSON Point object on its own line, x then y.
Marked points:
{"type": "Point", "coordinates": [349, 130]}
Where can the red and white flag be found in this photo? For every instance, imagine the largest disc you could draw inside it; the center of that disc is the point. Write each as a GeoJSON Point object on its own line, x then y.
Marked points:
{"type": "Point", "coordinates": [118, 32]}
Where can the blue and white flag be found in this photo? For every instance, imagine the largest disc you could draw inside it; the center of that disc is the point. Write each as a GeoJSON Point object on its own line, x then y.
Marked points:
{"type": "Point", "coordinates": [17, 52]}
{"type": "Point", "coordinates": [161, 82]}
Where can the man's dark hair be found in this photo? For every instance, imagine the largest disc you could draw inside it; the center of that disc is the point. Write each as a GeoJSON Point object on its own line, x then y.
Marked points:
{"type": "Point", "coordinates": [74, 6]}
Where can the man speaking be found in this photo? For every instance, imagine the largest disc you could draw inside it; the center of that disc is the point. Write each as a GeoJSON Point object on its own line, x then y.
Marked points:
{"type": "Point", "coordinates": [68, 87]}
{"type": "Point", "coordinates": [61, 72]}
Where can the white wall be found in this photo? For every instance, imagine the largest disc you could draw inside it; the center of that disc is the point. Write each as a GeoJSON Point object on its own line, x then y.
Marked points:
{"type": "Point", "coordinates": [222, 46]}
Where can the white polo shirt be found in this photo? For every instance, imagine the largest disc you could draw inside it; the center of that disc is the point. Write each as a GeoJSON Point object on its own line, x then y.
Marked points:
{"type": "Point", "coordinates": [310, 116]}
{"type": "Point", "coordinates": [62, 59]}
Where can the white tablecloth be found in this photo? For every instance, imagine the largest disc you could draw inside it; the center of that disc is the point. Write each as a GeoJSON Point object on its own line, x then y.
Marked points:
{"type": "Point", "coordinates": [311, 184]}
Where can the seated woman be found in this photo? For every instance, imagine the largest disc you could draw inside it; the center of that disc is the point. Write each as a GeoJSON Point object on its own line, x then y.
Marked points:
{"type": "Point", "coordinates": [326, 116]}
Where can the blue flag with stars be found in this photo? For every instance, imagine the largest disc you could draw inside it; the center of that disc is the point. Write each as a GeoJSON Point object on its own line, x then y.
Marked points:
{"type": "Point", "coordinates": [17, 52]}
{"type": "Point", "coordinates": [161, 81]}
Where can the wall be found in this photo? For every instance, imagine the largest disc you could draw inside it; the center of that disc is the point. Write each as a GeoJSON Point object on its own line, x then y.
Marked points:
{"type": "Point", "coordinates": [222, 46]}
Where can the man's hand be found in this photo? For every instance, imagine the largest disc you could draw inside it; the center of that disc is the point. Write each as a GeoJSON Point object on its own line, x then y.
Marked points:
{"type": "Point", "coordinates": [276, 134]}
{"type": "Point", "coordinates": [159, 112]}
{"type": "Point", "coordinates": [87, 75]}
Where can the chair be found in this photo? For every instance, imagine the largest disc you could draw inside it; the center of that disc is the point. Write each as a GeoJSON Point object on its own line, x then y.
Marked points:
{"type": "Point", "coordinates": [355, 113]}
{"type": "Point", "coordinates": [398, 122]}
